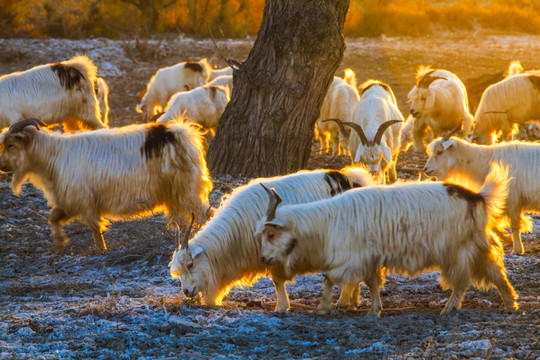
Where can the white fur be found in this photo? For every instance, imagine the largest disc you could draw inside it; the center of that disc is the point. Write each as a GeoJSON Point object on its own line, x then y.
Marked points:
{"type": "Point", "coordinates": [229, 253]}
{"type": "Point", "coordinates": [223, 80]}
{"type": "Point", "coordinates": [518, 96]}
{"type": "Point", "coordinates": [459, 159]}
{"type": "Point", "coordinates": [203, 105]}
{"type": "Point", "coordinates": [407, 229]}
{"type": "Point", "coordinates": [338, 103]}
{"type": "Point", "coordinates": [102, 94]}
{"type": "Point", "coordinates": [38, 93]}
{"type": "Point", "coordinates": [169, 81]}
{"type": "Point", "coordinates": [376, 106]}
{"type": "Point", "coordinates": [106, 173]}
{"type": "Point", "coordinates": [441, 106]}
{"type": "Point", "coordinates": [215, 73]}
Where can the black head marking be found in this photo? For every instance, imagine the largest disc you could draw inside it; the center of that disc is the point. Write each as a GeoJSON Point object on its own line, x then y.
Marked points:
{"type": "Point", "coordinates": [213, 91]}
{"type": "Point", "coordinates": [193, 66]}
{"type": "Point", "coordinates": [337, 182]}
{"type": "Point", "coordinates": [378, 83]}
{"type": "Point", "coordinates": [157, 138]}
{"type": "Point", "coordinates": [68, 75]}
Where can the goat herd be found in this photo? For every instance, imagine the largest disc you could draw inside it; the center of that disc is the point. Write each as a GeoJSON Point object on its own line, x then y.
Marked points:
{"type": "Point", "coordinates": [341, 222]}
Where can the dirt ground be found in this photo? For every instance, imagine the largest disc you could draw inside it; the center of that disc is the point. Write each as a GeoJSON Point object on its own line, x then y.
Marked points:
{"type": "Point", "coordinates": [123, 304]}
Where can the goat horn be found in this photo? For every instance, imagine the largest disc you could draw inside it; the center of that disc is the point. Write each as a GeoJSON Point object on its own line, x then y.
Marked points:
{"type": "Point", "coordinates": [18, 126]}
{"type": "Point", "coordinates": [340, 123]}
{"type": "Point", "coordinates": [274, 199]}
{"type": "Point", "coordinates": [184, 243]}
{"type": "Point", "coordinates": [358, 130]}
{"type": "Point", "coordinates": [380, 131]}
{"type": "Point", "coordinates": [427, 80]}
{"type": "Point", "coordinates": [455, 130]}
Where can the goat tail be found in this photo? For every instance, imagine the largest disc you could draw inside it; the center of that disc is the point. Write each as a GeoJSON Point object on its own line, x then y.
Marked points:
{"type": "Point", "coordinates": [495, 189]}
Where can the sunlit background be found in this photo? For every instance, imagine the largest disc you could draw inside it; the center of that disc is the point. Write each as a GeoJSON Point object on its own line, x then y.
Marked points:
{"type": "Point", "coordinates": [240, 18]}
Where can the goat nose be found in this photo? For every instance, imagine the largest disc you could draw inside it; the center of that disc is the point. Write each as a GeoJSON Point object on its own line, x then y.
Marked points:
{"type": "Point", "coordinates": [263, 259]}
{"type": "Point", "coordinates": [186, 291]}
{"type": "Point", "coordinates": [412, 112]}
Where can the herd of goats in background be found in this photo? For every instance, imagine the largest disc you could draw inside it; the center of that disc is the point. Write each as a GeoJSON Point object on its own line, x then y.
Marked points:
{"type": "Point", "coordinates": [346, 223]}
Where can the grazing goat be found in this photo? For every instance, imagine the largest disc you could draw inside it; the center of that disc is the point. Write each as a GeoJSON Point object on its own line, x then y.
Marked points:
{"type": "Point", "coordinates": [203, 105]}
{"type": "Point", "coordinates": [338, 103]}
{"type": "Point", "coordinates": [438, 100]}
{"type": "Point", "coordinates": [512, 101]}
{"type": "Point", "coordinates": [167, 82]}
{"type": "Point", "coordinates": [225, 253]}
{"type": "Point", "coordinates": [114, 173]}
{"type": "Point", "coordinates": [407, 228]}
{"type": "Point", "coordinates": [375, 141]}
{"type": "Point", "coordinates": [456, 159]}
{"type": "Point", "coordinates": [54, 93]}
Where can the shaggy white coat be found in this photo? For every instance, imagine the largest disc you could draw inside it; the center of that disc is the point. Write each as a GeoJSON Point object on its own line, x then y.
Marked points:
{"type": "Point", "coordinates": [517, 98]}
{"type": "Point", "coordinates": [406, 229]}
{"type": "Point", "coordinates": [441, 106]}
{"type": "Point", "coordinates": [38, 93]}
{"type": "Point", "coordinates": [203, 105]}
{"type": "Point", "coordinates": [376, 106]}
{"type": "Point", "coordinates": [455, 159]}
{"type": "Point", "coordinates": [106, 174]}
{"type": "Point", "coordinates": [338, 103]}
{"type": "Point", "coordinates": [226, 253]}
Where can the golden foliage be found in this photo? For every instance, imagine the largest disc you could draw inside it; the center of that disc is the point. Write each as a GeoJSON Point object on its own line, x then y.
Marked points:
{"type": "Point", "coordinates": [239, 18]}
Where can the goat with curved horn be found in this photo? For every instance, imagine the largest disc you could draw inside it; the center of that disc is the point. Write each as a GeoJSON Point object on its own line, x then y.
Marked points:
{"type": "Point", "coordinates": [382, 128]}
{"type": "Point", "coordinates": [18, 126]}
{"type": "Point", "coordinates": [184, 240]}
{"type": "Point", "coordinates": [274, 199]}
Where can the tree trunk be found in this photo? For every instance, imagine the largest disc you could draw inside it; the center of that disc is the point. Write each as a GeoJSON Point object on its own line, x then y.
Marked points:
{"type": "Point", "coordinates": [267, 128]}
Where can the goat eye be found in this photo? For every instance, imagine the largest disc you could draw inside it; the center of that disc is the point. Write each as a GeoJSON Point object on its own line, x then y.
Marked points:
{"type": "Point", "coordinates": [439, 152]}
{"type": "Point", "coordinates": [270, 235]}
{"type": "Point", "coordinates": [189, 266]}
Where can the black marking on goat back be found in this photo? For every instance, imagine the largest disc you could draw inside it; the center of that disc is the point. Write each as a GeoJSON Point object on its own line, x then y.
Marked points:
{"type": "Point", "coordinates": [337, 182]}
{"type": "Point", "coordinates": [378, 83]}
{"type": "Point", "coordinates": [157, 138]}
{"type": "Point", "coordinates": [213, 90]}
{"type": "Point", "coordinates": [68, 75]}
{"type": "Point", "coordinates": [193, 66]}
{"type": "Point", "coordinates": [469, 196]}
{"type": "Point", "coordinates": [535, 80]}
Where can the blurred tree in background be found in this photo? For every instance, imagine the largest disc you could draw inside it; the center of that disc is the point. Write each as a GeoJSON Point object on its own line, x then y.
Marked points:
{"type": "Point", "coordinates": [240, 18]}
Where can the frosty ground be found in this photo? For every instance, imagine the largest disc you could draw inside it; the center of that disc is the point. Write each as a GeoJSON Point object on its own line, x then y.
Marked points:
{"type": "Point", "coordinates": [124, 305]}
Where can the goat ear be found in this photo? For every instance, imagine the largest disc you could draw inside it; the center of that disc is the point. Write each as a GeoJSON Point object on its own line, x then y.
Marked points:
{"type": "Point", "coordinates": [448, 144]}
{"type": "Point", "coordinates": [196, 251]}
{"type": "Point", "coordinates": [387, 153]}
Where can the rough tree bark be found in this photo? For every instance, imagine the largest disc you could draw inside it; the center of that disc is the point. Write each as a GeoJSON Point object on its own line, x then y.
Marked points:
{"type": "Point", "coordinates": [267, 128]}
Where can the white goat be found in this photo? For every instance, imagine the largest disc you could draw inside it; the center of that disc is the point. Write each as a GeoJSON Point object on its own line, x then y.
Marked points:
{"type": "Point", "coordinates": [167, 82]}
{"type": "Point", "coordinates": [54, 93]}
{"type": "Point", "coordinates": [223, 80]}
{"type": "Point", "coordinates": [454, 159]}
{"type": "Point", "coordinates": [514, 100]}
{"type": "Point", "coordinates": [438, 100]}
{"type": "Point", "coordinates": [407, 228]}
{"type": "Point", "coordinates": [113, 173]}
{"type": "Point", "coordinates": [338, 103]}
{"type": "Point", "coordinates": [371, 143]}
{"type": "Point", "coordinates": [203, 105]}
{"type": "Point", "coordinates": [225, 253]}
